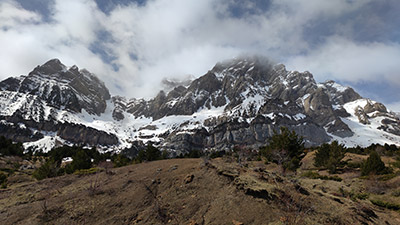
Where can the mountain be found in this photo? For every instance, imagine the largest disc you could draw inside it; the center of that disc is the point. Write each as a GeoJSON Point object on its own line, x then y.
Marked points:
{"type": "Point", "coordinates": [238, 102]}
{"type": "Point", "coordinates": [33, 107]}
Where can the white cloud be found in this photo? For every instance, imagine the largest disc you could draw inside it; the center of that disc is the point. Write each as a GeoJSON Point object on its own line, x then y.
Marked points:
{"type": "Point", "coordinates": [11, 15]}
{"type": "Point", "coordinates": [344, 60]}
{"type": "Point", "coordinates": [165, 38]}
{"type": "Point", "coordinates": [394, 106]}
{"type": "Point", "coordinates": [26, 41]}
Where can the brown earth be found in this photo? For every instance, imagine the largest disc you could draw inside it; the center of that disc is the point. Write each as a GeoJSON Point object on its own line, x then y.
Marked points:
{"type": "Point", "coordinates": [187, 191]}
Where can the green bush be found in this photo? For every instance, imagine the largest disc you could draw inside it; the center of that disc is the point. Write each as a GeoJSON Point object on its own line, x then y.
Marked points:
{"type": "Point", "coordinates": [285, 149]}
{"type": "Point", "coordinates": [329, 156]}
{"type": "Point", "coordinates": [353, 195]}
{"type": "Point", "coordinates": [3, 180]}
{"type": "Point", "coordinates": [151, 153]}
{"type": "Point", "coordinates": [315, 175]}
{"type": "Point", "coordinates": [7, 147]}
{"type": "Point", "coordinates": [354, 164]}
{"type": "Point", "coordinates": [396, 164]}
{"type": "Point", "coordinates": [357, 150]}
{"type": "Point", "coordinates": [87, 171]}
{"type": "Point", "coordinates": [193, 154]}
{"type": "Point", "coordinates": [373, 165]}
{"type": "Point", "coordinates": [396, 193]}
{"type": "Point", "coordinates": [362, 196]}
{"type": "Point", "coordinates": [120, 160]}
{"type": "Point", "coordinates": [81, 160]}
{"type": "Point", "coordinates": [217, 154]}
{"type": "Point", "coordinates": [311, 174]}
{"type": "Point", "coordinates": [388, 176]}
{"type": "Point", "coordinates": [69, 151]}
{"type": "Point", "coordinates": [48, 169]}
{"type": "Point", "coordinates": [388, 205]}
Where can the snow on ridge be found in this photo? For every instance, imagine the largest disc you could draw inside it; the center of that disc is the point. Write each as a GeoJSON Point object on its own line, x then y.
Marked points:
{"type": "Point", "coordinates": [299, 116]}
{"type": "Point", "coordinates": [364, 134]}
{"type": "Point", "coordinates": [46, 143]}
{"type": "Point", "coordinates": [339, 88]}
{"type": "Point", "coordinates": [350, 107]}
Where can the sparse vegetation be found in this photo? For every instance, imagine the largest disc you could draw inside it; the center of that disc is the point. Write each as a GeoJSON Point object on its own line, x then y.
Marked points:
{"type": "Point", "coordinates": [354, 165]}
{"type": "Point", "coordinates": [253, 191]}
{"type": "Point", "coordinates": [94, 186]}
{"type": "Point", "coordinates": [297, 200]}
{"type": "Point", "coordinates": [384, 204]}
{"type": "Point", "coordinates": [396, 193]}
{"type": "Point", "coordinates": [87, 171]}
{"type": "Point", "coordinates": [315, 175]}
{"type": "Point", "coordinates": [295, 206]}
{"type": "Point", "coordinates": [353, 195]}
{"type": "Point", "coordinates": [82, 160]}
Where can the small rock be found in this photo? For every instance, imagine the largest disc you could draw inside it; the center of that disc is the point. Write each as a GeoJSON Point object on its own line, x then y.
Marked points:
{"type": "Point", "coordinates": [159, 170]}
{"type": "Point", "coordinates": [188, 178]}
{"type": "Point", "coordinates": [236, 222]}
{"type": "Point", "coordinates": [259, 169]}
{"type": "Point", "coordinates": [174, 167]}
{"type": "Point", "coordinates": [192, 222]}
{"type": "Point", "coordinates": [156, 181]}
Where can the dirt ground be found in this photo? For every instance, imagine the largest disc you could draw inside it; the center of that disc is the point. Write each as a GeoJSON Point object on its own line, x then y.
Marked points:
{"type": "Point", "coordinates": [186, 191]}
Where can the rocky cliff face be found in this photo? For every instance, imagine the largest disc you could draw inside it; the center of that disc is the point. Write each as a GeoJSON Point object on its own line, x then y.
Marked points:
{"type": "Point", "coordinates": [245, 100]}
{"type": "Point", "coordinates": [238, 102]}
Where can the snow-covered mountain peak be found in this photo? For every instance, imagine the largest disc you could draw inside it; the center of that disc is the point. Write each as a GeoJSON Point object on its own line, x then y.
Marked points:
{"type": "Point", "coordinates": [238, 102]}
{"type": "Point", "coordinates": [52, 66]}
{"type": "Point", "coordinates": [60, 87]}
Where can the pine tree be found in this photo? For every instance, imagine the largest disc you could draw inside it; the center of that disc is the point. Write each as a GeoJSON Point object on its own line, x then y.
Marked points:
{"type": "Point", "coordinates": [48, 169]}
{"type": "Point", "coordinates": [285, 149]}
{"type": "Point", "coordinates": [151, 153]}
{"type": "Point", "coordinates": [80, 161]}
{"type": "Point", "coordinates": [329, 156]}
{"type": "Point", "coordinates": [373, 165]}
{"type": "Point", "coordinates": [322, 155]}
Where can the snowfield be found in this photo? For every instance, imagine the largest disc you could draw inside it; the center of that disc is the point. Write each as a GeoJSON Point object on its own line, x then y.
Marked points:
{"type": "Point", "coordinates": [364, 134]}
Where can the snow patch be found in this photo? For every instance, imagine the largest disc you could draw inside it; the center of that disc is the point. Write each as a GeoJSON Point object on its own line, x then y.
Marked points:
{"type": "Point", "coordinates": [299, 116]}
{"type": "Point", "coordinates": [364, 134]}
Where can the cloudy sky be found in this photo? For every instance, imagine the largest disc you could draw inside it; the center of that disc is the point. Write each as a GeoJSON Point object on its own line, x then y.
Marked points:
{"type": "Point", "coordinates": [133, 44]}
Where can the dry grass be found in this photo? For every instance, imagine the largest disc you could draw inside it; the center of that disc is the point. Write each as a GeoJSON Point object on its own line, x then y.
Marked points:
{"type": "Point", "coordinates": [219, 191]}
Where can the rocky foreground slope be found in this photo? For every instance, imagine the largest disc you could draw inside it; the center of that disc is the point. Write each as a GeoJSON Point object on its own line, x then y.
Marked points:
{"type": "Point", "coordinates": [238, 102]}
{"type": "Point", "coordinates": [191, 191]}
